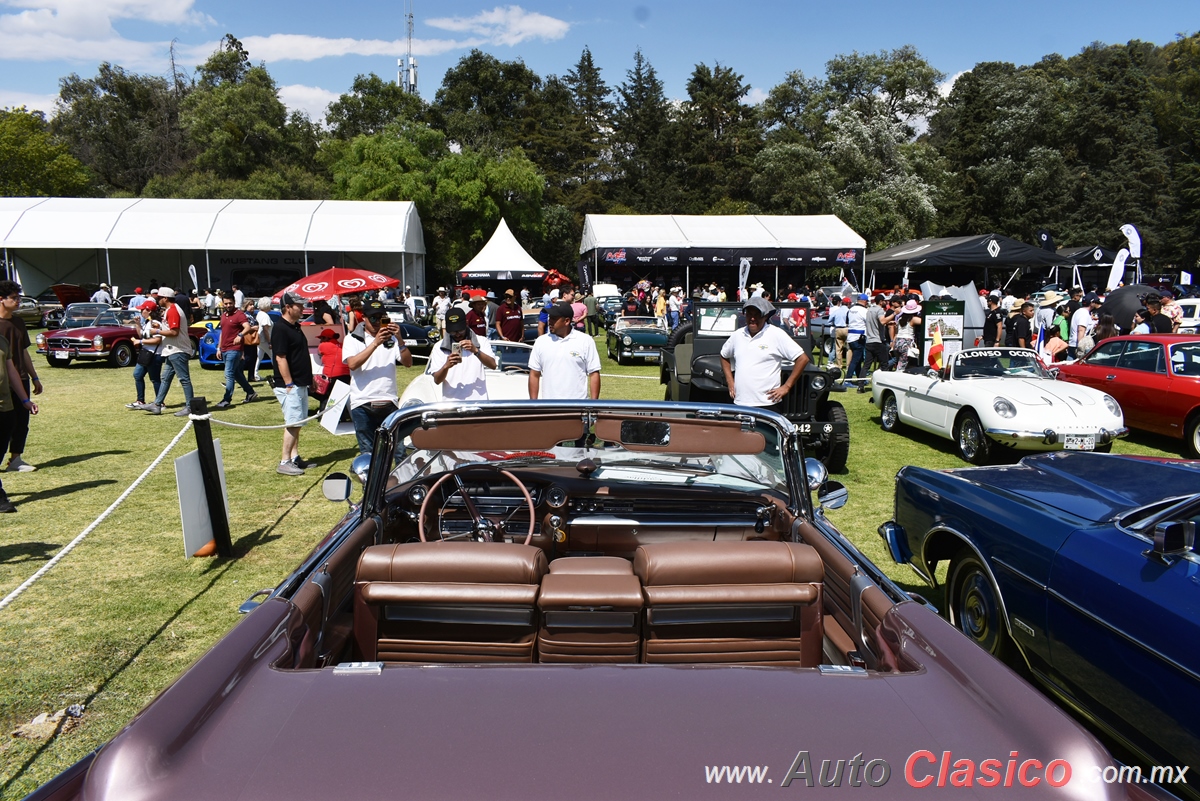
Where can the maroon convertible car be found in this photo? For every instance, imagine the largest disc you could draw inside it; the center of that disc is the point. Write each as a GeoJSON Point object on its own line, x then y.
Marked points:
{"type": "Point", "coordinates": [586, 600]}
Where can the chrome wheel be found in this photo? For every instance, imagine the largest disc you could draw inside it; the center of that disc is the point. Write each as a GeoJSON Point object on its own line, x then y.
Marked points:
{"type": "Point", "coordinates": [973, 444]}
{"type": "Point", "coordinates": [889, 415]}
{"type": "Point", "coordinates": [975, 605]}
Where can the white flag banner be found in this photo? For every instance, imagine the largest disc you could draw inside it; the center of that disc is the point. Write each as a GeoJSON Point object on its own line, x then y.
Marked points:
{"type": "Point", "coordinates": [1134, 237]}
{"type": "Point", "coordinates": [192, 275]}
{"type": "Point", "coordinates": [743, 272]}
{"type": "Point", "coordinates": [1118, 270]}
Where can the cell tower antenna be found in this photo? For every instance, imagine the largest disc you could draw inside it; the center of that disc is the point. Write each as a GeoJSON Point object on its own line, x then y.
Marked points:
{"type": "Point", "coordinates": [407, 74]}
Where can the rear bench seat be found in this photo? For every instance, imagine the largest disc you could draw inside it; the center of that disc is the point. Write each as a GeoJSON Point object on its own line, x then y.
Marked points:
{"type": "Point", "coordinates": [752, 603]}
{"type": "Point", "coordinates": [591, 609]}
{"type": "Point", "coordinates": [439, 602]}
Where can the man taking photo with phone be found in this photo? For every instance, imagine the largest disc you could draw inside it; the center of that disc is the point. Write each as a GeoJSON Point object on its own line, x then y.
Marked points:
{"type": "Point", "coordinates": [372, 353]}
{"type": "Point", "coordinates": [458, 362]}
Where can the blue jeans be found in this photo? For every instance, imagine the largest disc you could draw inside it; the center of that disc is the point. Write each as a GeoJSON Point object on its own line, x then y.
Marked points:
{"type": "Point", "coordinates": [234, 372]}
{"type": "Point", "coordinates": [367, 419]}
{"type": "Point", "coordinates": [857, 350]}
{"type": "Point", "coordinates": [154, 369]}
{"type": "Point", "coordinates": [672, 319]}
{"type": "Point", "coordinates": [175, 364]}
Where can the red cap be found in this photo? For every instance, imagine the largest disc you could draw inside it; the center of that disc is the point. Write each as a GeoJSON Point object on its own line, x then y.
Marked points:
{"type": "Point", "coordinates": [149, 304]}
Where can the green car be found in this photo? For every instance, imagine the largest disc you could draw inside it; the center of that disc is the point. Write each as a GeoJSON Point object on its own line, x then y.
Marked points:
{"type": "Point", "coordinates": [636, 338]}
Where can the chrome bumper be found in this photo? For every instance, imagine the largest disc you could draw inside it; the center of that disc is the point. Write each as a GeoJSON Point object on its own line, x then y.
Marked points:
{"type": "Point", "coordinates": [894, 538]}
{"type": "Point", "coordinates": [1049, 436]}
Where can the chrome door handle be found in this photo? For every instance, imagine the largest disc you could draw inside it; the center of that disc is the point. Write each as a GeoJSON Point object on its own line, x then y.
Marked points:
{"type": "Point", "coordinates": [1109, 377]}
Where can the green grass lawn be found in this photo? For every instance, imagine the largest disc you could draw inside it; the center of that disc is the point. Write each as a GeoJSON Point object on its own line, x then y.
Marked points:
{"type": "Point", "coordinates": [113, 623]}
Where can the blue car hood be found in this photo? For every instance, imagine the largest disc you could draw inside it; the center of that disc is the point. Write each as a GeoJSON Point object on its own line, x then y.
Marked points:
{"type": "Point", "coordinates": [1091, 486]}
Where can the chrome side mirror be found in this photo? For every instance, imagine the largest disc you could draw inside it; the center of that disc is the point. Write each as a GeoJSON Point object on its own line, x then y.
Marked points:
{"type": "Point", "coordinates": [1173, 538]}
{"type": "Point", "coordinates": [833, 495]}
{"type": "Point", "coordinates": [336, 487]}
{"type": "Point", "coordinates": [932, 373]}
{"type": "Point", "coordinates": [361, 466]}
{"type": "Point", "coordinates": [815, 473]}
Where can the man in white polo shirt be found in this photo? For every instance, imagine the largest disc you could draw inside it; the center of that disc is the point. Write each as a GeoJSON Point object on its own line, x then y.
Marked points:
{"type": "Point", "coordinates": [564, 362]}
{"type": "Point", "coordinates": [372, 353]}
{"type": "Point", "coordinates": [756, 354]}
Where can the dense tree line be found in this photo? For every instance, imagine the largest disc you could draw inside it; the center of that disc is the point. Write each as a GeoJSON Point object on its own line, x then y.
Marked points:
{"type": "Point", "coordinates": [1075, 145]}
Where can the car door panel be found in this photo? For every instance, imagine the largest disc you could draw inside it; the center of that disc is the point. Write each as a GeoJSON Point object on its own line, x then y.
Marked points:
{"type": "Point", "coordinates": [1123, 632]}
{"type": "Point", "coordinates": [928, 398]}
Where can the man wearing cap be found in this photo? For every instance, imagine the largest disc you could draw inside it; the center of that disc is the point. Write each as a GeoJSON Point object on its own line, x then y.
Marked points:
{"type": "Point", "coordinates": [839, 315]}
{"type": "Point", "coordinates": [1082, 322]}
{"type": "Point", "coordinates": [459, 360]}
{"type": "Point", "coordinates": [101, 295]}
{"type": "Point", "coordinates": [510, 320]}
{"type": "Point", "coordinates": [293, 377]}
{"type": "Point", "coordinates": [175, 349]}
{"type": "Point", "coordinates": [993, 322]}
{"type": "Point", "coordinates": [441, 304]}
{"type": "Point", "coordinates": [372, 353]}
{"type": "Point", "coordinates": [564, 362]}
{"type": "Point", "coordinates": [135, 303]}
{"type": "Point", "coordinates": [477, 316]}
{"type": "Point", "coordinates": [856, 337]}
{"type": "Point", "coordinates": [755, 354]}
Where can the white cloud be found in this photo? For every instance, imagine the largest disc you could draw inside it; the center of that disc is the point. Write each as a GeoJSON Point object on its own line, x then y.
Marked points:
{"type": "Point", "coordinates": [311, 99]}
{"type": "Point", "coordinates": [12, 99]}
{"type": "Point", "coordinates": [755, 96]}
{"type": "Point", "coordinates": [83, 30]}
{"type": "Point", "coordinates": [301, 47]}
{"type": "Point", "coordinates": [947, 85]}
{"type": "Point", "coordinates": [506, 25]}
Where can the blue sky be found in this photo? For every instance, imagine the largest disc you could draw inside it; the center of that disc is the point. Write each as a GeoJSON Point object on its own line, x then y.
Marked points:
{"type": "Point", "coordinates": [314, 49]}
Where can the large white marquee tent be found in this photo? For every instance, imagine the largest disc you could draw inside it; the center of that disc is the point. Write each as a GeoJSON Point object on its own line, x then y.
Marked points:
{"type": "Point", "coordinates": [261, 245]}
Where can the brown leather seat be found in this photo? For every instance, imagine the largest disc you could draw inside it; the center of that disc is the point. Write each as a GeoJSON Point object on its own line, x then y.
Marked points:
{"type": "Point", "coordinates": [591, 608]}
{"type": "Point", "coordinates": [753, 603]}
{"type": "Point", "coordinates": [442, 602]}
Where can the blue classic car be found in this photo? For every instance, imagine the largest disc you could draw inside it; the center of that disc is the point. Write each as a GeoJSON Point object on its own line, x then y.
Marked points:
{"type": "Point", "coordinates": [1080, 566]}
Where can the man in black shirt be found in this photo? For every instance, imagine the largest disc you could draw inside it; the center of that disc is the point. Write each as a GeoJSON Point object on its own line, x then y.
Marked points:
{"type": "Point", "coordinates": [293, 376]}
{"type": "Point", "coordinates": [1022, 332]}
{"type": "Point", "coordinates": [1159, 323]}
{"type": "Point", "coordinates": [993, 322]}
{"type": "Point", "coordinates": [1076, 301]}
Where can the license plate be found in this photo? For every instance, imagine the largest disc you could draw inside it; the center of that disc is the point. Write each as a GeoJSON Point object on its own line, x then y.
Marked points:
{"type": "Point", "coordinates": [1079, 442]}
{"type": "Point", "coordinates": [408, 343]}
{"type": "Point", "coordinates": [62, 354]}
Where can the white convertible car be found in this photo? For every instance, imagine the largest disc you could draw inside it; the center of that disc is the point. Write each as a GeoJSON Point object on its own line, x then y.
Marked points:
{"type": "Point", "coordinates": [988, 397]}
{"type": "Point", "coordinates": [509, 381]}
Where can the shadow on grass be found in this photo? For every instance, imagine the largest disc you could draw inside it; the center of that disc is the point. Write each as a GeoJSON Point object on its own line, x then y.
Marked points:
{"type": "Point", "coordinates": [63, 461]}
{"type": "Point", "coordinates": [56, 492]}
{"type": "Point", "coordinates": [20, 552]}
{"type": "Point", "coordinates": [1168, 445]}
{"type": "Point", "coordinates": [215, 571]}
{"type": "Point", "coordinates": [344, 454]}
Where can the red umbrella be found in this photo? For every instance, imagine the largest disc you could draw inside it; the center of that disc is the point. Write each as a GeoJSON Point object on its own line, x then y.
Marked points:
{"type": "Point", "coordinates": [337, 281]}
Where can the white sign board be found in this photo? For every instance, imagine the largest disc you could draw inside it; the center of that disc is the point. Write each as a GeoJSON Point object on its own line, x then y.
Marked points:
{"type": "Point", "coordinates": [331, 418]}
{"type": "Point", "coordinates": [193, 506]}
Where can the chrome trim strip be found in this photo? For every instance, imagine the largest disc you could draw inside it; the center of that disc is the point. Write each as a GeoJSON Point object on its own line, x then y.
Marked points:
{"type": "Point", "coordinates": [1193, 675]}
{"type": "Point", "coordinates": [614, 520]}
{"type": "Point", "coordinates": [1019, 574]}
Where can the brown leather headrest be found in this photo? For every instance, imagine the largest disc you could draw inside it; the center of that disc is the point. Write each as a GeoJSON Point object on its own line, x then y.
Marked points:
{"type": "Point", "coordinates": [453, 562]}
{"type": "Point", "coordinates": [749, 562]}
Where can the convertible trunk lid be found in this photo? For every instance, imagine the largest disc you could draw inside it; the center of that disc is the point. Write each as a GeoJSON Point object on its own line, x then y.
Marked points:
{"type": "Point", "coordinates": [234, 727]}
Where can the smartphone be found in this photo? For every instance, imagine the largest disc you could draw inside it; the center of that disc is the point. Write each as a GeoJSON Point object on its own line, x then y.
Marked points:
{"type": "Point", "coordinates": [456, 348]}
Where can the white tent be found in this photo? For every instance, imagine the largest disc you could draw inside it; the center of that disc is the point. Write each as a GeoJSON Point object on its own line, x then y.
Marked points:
{"type": "Point", "coordinates": [270, 242]}
{"type": "Point", "coordinates": [502, 259]}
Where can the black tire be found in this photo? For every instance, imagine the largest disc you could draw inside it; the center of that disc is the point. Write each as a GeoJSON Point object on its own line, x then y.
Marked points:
{"type": "Point", "coordinates": [828, 346]}
{"type": "Point", "coordinates": [54, 361]}
{"type": "Point", "coordinates": [889, 412]}
{"type": "Point", "coordinates": [677, 334]}
{"type": "Point", "coordinates": [837, 449]}
{"type": "Point", "coordinates": [974, 607]}
{"type": "Point", "coordinates": [195, 349]}
{"type": "Point", "coordinates": [1191, 437]}
{"type": "Point", "coordinates": [122, 355]}
{"type": "Point", "coordinates": [973, 444]}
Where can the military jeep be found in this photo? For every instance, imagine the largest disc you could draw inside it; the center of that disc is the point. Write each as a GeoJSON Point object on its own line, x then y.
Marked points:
{"type": "Point", "coordinates": [690, 370]}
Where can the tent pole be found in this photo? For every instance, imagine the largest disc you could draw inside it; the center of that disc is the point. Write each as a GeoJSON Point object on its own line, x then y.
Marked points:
{"type": "Point", "coordinates": [777, 298]}
{"type": "Point", "coordinates": [108, 266]}
{"type": "Point", "coordinates": [7, 265]}
{"type": "Point", "coordinates": [306, 262]}
{"type": "Point", "coordinates": [207, 270]}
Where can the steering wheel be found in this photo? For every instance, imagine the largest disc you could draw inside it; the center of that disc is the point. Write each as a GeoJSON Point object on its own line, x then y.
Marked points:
{"type": "Point", "coordinates": [485, 527]}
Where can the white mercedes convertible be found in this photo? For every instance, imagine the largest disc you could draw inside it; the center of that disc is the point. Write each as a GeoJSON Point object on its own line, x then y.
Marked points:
{"type": "Point", "coordinates": [991, 400]}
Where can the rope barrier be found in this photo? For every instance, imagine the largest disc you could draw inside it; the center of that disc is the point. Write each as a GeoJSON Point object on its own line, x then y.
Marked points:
{"type": "Point", "coordinates": [618, 375]}
{"type": "Point", "coordinates": [221, 422]}
{"type": "Point", "coordinates": [8, 599]}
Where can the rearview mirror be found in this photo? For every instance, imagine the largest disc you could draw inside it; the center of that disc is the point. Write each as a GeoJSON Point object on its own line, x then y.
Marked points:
{"type": "Point", "coordinates": [361, 466]}
{"type": "Point", "coordinates": [932, 373]}
{"type": "Point", "coordinates": [815, 473]}
{"type": "Point", "coordinates": [833, 495]}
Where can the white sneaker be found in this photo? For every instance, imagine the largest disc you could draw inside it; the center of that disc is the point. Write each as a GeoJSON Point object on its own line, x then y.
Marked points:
{"type": "Point", "coordinates": [18, 465]}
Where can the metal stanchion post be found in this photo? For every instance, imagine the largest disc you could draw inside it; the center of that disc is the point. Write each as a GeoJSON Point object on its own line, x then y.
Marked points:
{"type": "Point", "coordinates": [212, 479]}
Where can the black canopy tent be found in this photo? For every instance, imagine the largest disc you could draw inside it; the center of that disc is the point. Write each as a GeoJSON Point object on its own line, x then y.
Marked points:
{"type": "Point", "coordinates": [973, 257]}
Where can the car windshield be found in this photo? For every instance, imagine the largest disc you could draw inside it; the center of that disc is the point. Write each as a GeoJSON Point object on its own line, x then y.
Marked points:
{"type": "Point", "coordinates": [79, 315]}
{"type": "Point", "coordinates": [675, 449]}
{"type": "Point", "coordinates": [720, 320]}
{"type": "Point", "coordinates": [399, 313]}
{"type": "Point", "coordinates": [639, 322]}
{"type": "Point", "coordinates": [998, 363]}
{"type": "Point", "coordinates": [1185, 358]}
{"type": "Point", "coordinates": [511, 355]}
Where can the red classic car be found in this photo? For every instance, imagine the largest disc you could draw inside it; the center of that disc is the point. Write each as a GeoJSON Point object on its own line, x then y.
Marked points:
{"type": "Point", "coordinates": [91, 332]}
{"type": "Point", "coordinates": [1155, 378]}
{"type": "Point", "coordinates": [591, 600]}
